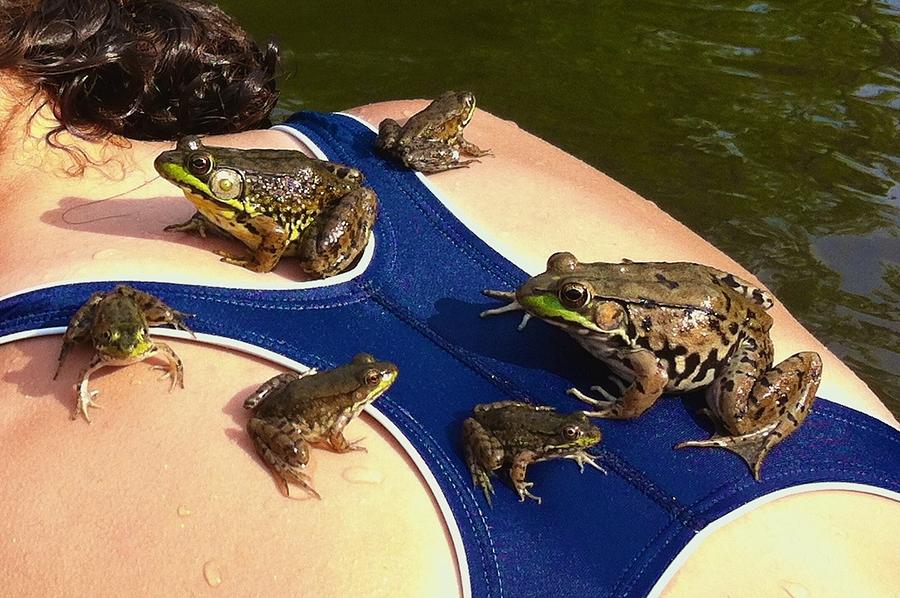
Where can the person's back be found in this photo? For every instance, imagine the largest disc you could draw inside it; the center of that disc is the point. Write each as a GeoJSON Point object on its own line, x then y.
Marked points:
{"type": "Point", "coordinates": [170, 483]}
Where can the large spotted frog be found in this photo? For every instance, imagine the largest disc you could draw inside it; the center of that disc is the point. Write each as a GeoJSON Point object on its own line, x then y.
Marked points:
{"type": "Point", "coordinates": [290, 412]}
{"type": "Point", "coordinates": [432, 140]}
{"type": "Point", "coordinates": [276, 202]}
{"type": "Point", "coordinates": [673, 327]}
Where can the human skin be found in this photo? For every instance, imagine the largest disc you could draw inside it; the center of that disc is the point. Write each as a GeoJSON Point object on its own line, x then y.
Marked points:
{"type": "Point", "coordinates": [112, 491]}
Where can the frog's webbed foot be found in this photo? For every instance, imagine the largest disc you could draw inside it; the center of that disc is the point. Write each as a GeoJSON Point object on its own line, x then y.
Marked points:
{"type": "Point", "coordinates": [752, 448]}
{"type": "Point", "coordinates": [79, 328]}
{"type": "Point", "coordinates": [174, 369]}
{"type": "Point", "coordinates": [582, 457]}
{"type": "Point", "coordinates": [481, 478]}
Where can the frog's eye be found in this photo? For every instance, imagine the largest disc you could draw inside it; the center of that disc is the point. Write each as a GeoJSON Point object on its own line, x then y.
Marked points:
{"type": "Point", "coordinates": [226, 183]}
{"type": "Point", "coordinates": [373, 377]}
{"type": "Point", "coordinates": [574, 295]}
{"type": "Point", "coordinates": [571, 432]}
{"type": "Point", "coordinates": [200, 164]}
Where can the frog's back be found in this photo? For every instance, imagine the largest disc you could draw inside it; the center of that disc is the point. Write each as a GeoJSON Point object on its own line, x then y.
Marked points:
{"type": "Point", "coordinates": [675, 284]}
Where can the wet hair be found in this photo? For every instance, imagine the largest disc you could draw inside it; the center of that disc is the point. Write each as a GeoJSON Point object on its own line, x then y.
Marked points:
{"type": "Point", "coordinates": [142, 69]}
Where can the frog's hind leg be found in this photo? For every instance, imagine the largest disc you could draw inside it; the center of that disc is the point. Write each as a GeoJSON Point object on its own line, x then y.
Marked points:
{"type": "Point", "coordinates": [155, 310]}
{"type": "Point", "coordinates": [430, 157]}
{"type": "Point", "coordinates": [339, 235]}
{"type": "Point", "coordinates": [484, 455]}
{"type": "Point", "coordinates": [388, 133]}
{"type": "Point", "coordinates": [268, 387]}
{"type": "Point", "coordinates": [760, 406]}
{"type": "Point", "coordinates": [283, 450]}
{"type": "Point", "coordinates": [79, 329]}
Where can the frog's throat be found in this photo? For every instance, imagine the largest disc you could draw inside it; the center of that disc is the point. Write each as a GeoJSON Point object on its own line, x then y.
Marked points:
{"type": "Point", "coordinates": [383, 385]}
{"type": "Point", "coordinates": [548, 307]}
{"type": "Point", "coordinates": [142, 350]}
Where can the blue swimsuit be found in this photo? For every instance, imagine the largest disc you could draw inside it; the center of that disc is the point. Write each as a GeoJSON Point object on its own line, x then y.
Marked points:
{"type": "Point", "coordinates": [415, 300]}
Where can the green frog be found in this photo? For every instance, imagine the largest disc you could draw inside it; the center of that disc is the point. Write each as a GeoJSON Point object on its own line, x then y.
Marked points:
{"type": "Point", "coordinates": [276, 202]}
{"type": "Point", "coordinates": [518, 434]}
{"type": "Point", "coordinates": [432, 140]}
{"type": "Point", "coordinates": [675, 327]}
{"type": "Point", "coordinates": [292, 411]}
{"type": "Point", "coordinates": [117, 324]}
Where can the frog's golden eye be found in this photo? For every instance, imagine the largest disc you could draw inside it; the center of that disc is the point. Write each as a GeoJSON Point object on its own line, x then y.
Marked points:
{"type": "Point", "coordinates": [200, 164]}
{"type": "Point", "coordinates": [574, 295]}
{"type": "Point", "coordinates": [372, 377]}
{"type": "Point", "coordinates": [226, 183]}
{"type": "Point", "coordinates": [571, 432]}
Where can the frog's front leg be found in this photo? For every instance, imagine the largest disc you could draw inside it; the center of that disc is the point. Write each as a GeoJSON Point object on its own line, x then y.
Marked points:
{"type": "Point", "coordinates": [758, 405]}
{"type": "Point", "coordinates": [339, 234]}
{"type": "Point", "coordinates": [336, 436]}
{"type": "Point", "coordinates": [517, 474]}
{"type": "Point", "coordinates": [470, 149]}
{"type": "Point", "coordinates": [650, 379]}
{"type": "Point", "coordinates": [273, 241]}
{"type": "Point", "coordinates": [199, 224]}
{"type": "Point", "coordinates": [86, 396]}
{"type": "Point", "coordinates": [484, 455]}
{"type": "Point", "coordinates": [79, 329]}
{"type": "Point", "coordinates": [281, 446]}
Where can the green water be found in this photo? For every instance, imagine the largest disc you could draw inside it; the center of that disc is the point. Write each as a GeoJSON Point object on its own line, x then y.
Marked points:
{"type": "Point", "coordinates": [771, 129]}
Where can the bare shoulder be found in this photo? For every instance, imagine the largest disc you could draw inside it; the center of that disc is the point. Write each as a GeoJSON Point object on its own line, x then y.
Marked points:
{"type": "Point", "coordinates": [531, 199]}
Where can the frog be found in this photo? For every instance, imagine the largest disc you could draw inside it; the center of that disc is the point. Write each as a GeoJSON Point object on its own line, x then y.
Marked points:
{"type": "Point", "coordinates": [432, 140]}
{"type": "Point", "coordinates": [117, 324]}
{"type": "Point", "coordinates": [276, 202]}
{"type": "Point", "coordinates": [674, 327]}
{"type": "Point", "coordinates": [294, 410]}
{"type": "Point", "coordinates": [518, 434]}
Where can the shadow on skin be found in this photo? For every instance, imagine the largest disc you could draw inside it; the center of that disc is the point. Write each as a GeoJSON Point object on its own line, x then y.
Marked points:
{"type": "Point", "coordinates": [234, 409]}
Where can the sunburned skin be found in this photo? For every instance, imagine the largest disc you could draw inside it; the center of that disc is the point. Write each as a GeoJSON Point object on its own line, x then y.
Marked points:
{"type": "Point", "coordinates": [138, 466]}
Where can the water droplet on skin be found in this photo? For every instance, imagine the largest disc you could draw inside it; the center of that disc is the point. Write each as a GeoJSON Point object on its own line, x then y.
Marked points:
{"type": "Point", "coordinates": [107, 254]}
{"type": "Point", "coordinates": [212, 573]}
{"type": "Point", "coordinates": [362, 475]}
{"type": "Point", "coordinates": [794, 589]}
{"type": "Point", "coordinates": [184, 511]}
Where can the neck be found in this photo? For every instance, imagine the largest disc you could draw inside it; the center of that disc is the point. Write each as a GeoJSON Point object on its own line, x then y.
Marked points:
{"type": "Point", "coordinates": [36, 153]}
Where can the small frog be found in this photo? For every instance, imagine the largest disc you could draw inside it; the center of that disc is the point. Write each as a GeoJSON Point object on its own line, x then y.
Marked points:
{"type": "Point", "coordinates": [518, 434]}
{"type": "Point", "coordinates": [292, 411]}
{"type": "Point", "coordinates": [117, 324]}
{"type": "Point", "coordinates": [432, 140]}
{"type": "Point", "coordinates": [675, 327]}
{"type": "Point", "coordinates": [276, 202]}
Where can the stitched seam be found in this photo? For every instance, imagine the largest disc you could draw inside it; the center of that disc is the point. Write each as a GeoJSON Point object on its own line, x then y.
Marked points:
{"type": "Point", "coordinates": [782, 474]}
{"type": "Point", "coordinates": [622, 578]}
{"type": "Point", "coordinates": [895, 437]}
{"type": "Point", "coordinates": [426, 440]}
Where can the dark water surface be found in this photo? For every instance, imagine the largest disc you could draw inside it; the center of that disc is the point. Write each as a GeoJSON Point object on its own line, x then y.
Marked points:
{"type": "Point", "coordinates": [769, 128]}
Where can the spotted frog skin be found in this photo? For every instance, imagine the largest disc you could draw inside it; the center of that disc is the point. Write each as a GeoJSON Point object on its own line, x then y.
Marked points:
{"type": "Point", "coordinates": [675, 327]}
{"type": "Point", "coordinates": [518, 434]}
{"type": "Point", "coordinates": [432, 140]}
{"type": "Point", "coordinates": [276, 202]}
{"type": "Point", "coordinates": [117, 324]}
{"type": "Point", "coordinates": [290, 412]}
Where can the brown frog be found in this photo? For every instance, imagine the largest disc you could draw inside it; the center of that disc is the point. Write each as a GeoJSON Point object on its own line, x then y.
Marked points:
{"type": "Point", "coordinates": [432, 140]}
{"type": "Point", "coordinates": [675, 327]}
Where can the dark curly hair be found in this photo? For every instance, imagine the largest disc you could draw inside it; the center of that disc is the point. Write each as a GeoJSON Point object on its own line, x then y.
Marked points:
{"type": "Point", "coordinates": [142, 69]}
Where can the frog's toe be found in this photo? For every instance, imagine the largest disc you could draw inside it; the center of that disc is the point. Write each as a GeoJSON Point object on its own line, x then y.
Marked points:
{"type": "Point", "coordinates": [86, 401]}
{"type": "Point", "coordinates": [292, 475]}
{"type": "Point", "coordinates": [605, 406]}
{"type": "Point", "coordinates": [523, 490]}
